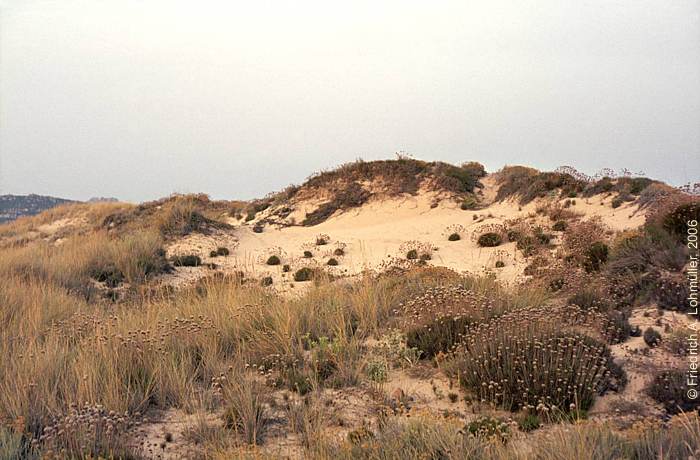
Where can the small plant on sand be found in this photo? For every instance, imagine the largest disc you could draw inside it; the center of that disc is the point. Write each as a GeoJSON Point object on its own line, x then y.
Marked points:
{"type": "Point", "coordinates": [500, 264]}
{"type": "Point", "coordinates": [308, 254]}
{"type": "Point", "coordinates": [222, 251]}
{"type": "Point", "coordinates": [286, 268]}
{"type": "Point", "coordinates": [189, 260]}
{"type": "Point", "coordinates": [489, 240]}
{"type": "Point", "coordinates": [454, 237]}
{"type": "Point", "coordinates": [266, 281]}
{"type": "Point", "coordinates": [332, 262]}
{"type": "Point", "coordinates": [416, 250]}
{"type": "Point", "coordinates": [469, 203]}
{"type": "Point", "coordinates": [304, 274]}
{"type": "Point", "coordinates": [559, 226]}
{"type": "Point", "coordinates": [669, 388]}
{"type": "Point", "coordinates": [412, 254]}
{"type": "Point", "coordinates": [652, 337]}
{"type": "Point", "coordinates": [273, 260]}
{"type": "Point", "coordinates": [322, 239]}
{"type": "Point", "coordinates": [596, 256]}
{"type": "Point", "coordinates": [489, 428]}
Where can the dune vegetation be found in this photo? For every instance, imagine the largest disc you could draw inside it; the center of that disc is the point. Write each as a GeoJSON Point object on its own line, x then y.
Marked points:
{"type": "Point", "coordinates": [102, 357]}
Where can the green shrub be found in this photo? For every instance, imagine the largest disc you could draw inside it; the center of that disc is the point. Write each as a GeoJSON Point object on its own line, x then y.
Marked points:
{"type": "Point", "coordinates": [308, 254]}
{"type": "Point", "coordinates": [559, 226]}
{"type": "Point", "coordinates": [676, 221]}
{"type": "Point", "coordinates": [273, 260]}
{"type": "Point", "coordinates": [454, 237]}
{"type": "Point", "coordinates": [489, 239]}
{"type": "Point", "coordinates": [303, 274]}
{"type": "Point", "coordinates": [437, 336]}
{"type": "Point", "coordinates": [257, 229]}
{"type": "Point", "coordinates": [332, 262]}
{"type": "Point", "coordinates": [669, 388]}
{"type": "Point", "coordinates": [266, 281]}
{"type": "Point", "coordinates": [110, 275]}
{"type": "Point", "coordinates": [617, 202]}
{"type": "Point", "coordinates": [339, 252]}
{"type": "Point", "coordinates": [213, 254]}
{"type": "Point", "coordinates": [469, 203]}
{"type": "Point", "coordinates": [529, 422]}
{"type": "Point", "coordinates": [651, 337]}
{"type": "Point", "coordinates": [500, 264]}
{"type": "Point", "coordinates": [190, 260]}
{"type": "Point", "coordinates": [596, 256]}
{"type": "Point", "coordinates": [412, 254]}
{"type": "Point", "coordinates": [222, 251]}
{"type": "Point", "coordinates": [286, 268]}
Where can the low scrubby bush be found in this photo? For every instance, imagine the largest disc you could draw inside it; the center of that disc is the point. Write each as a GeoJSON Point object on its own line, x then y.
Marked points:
{"type": "Point", "coordinates": [273, 260]}
{"type": "Point", "coordinates": [489, 239]}
{"type": "Point", "coordinates": [670, 388]}
{"type": "Point", "coordinates": [652, 337]}
{"type": "Point", "coordinates": [454, 237]}
{"type": "Point", "coordinates": [189, 260]}
{"type": "Point", "coordinates": [303, 274]}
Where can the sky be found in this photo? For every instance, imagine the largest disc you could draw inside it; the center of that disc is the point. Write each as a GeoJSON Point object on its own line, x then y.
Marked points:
{"type": "Point", "coordinates": [141, 99]}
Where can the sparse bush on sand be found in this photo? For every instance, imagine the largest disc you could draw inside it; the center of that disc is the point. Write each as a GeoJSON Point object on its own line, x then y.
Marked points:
{"type": "Point", "coordinates": [187, 260]}
{"type": "Point", "coordinates": [490, 239]}
{"type": "Point", "coordinates": [303, 274]}
{"type": "Point", "coordinates": [273, 260]}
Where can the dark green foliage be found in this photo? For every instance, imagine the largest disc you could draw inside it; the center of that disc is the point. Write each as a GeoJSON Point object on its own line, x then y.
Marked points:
{"type": "Point", "coordinates": [109, 275]}
{"type": "Point", "coordinates": [469, 203]}
{"type": "Point", "coordinates": [651, 337]}
{"type": "Point", "coordinates": [596, 256]}
{"type": "Point", "coordinates": [257, 228]}
{"type": "Point", "coordinates": [222, 251]}
{"type": "Point", "coordinates": [438, 336]}
{"type": "Point", "coordinates": [190, 260]}
{"type": "Point", "coordinates": [460, 179]}
{"type": "Point", "coordinates": [339, 252]}
{"type": "Point", "coordinates": [332, 262]}
{"type": "Point", "coordinates": [556, 284]}
{"type": "Point", "coordinates": [286, 268]}
{"type": "Point", "coordinates": [266, 281]}
{"type": "Point", "coordinates": [589, 299]}
{"type": "Point", "coordinates": [489, 239]}
{"type": "Point", "coordinates": [676, 221]}
{"type": "Point", "coordinates": [454, 237]}
{"type": "Point", "coordinates": [303, 274]}
{"type": "Point", "coordinates": [670, 389]}
{"type": "Point", "coordinates": [542, 237]}
{"type": "Point", "coordinates": [425, 257]}
{"type": "Point", "coordinates": [273, 260]}
{"type": "Point", "coordinates": [529, 422]}
{"type": "Point", "coordinates": [213, 254]}
{"type": "Point", "coordinates": [559, 226]}
{"type": "Point", "coordinates": [500, 264]}
{"type": "Point", "coordinates": [308, 255]}
{"type": "Point", "coordinates": [617, 202]}
{"type": "Point", "coordinates": [412, 254]}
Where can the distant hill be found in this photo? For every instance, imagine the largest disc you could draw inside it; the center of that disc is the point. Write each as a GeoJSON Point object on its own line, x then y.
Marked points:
{"type": "Point", "coordinates": [14, 206]}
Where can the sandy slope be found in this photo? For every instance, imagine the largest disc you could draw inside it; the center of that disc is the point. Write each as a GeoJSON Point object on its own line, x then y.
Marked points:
{"type": "Point", "coordinates": [380, 230]}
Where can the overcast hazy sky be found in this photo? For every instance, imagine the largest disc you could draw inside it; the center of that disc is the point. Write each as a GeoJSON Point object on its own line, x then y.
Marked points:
{"type": "Point", "coordinates": [140, 99]}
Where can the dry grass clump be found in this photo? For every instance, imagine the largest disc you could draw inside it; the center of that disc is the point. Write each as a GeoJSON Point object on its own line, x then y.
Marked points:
{"type": "Point", "coordinates": [245, 403]}
{"type": "Point", "coordinates": [538, 359]}
{"type": "Point", "coordinates": [89, 432]}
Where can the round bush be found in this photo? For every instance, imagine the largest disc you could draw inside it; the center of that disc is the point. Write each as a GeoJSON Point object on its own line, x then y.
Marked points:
{"type": "Point", "coordinates": [286, 268]}
{"type": "Point", "coordinates": [303, 274]}
{"type": "Point", "coordinates": [308, 255]}
{"type": "Point", "coordinates": [500, 264]}
{"type": "Point", "coordinates": [266, 281]}
{"type": "Point", "coordinates": [651, 337]}
{"type": "Point", "coordinates": [676, 221]}
{"type": "Point", "coordinates": [489, 240]}
{"type": "Point", "coordinates": [222, 251]}
{"type": "Point", "coordinates": [187, 261]}
{"type": "Point", "coordinates": [412, 254]}
{"type": "Point", "coordinates": [454, 237]}
{"type": "Point", "coordinates": [332, 262]}
{"type": "Point", "coordinates": [596, 256]}
{"type": "Point", "coordinates": [339, 252]}
{"type": "Point", "coordinates": [559, 226]}
{"type": "Point", "coordinates": [273, 260]}
{"type": "Point", "coordinates": [670, 389]}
